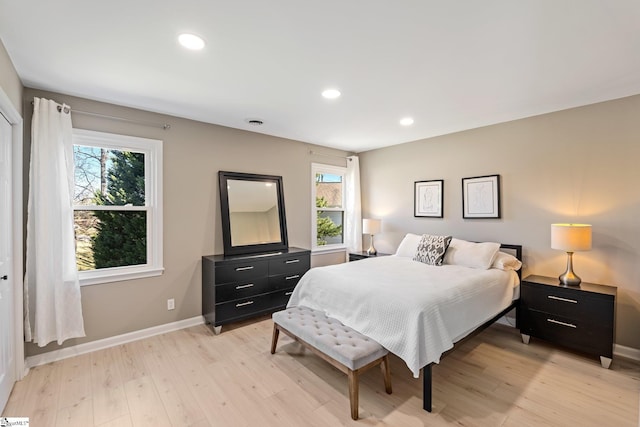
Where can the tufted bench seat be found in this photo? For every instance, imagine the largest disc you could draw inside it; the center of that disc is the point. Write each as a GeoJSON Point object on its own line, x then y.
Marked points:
{"type": "Point", "coordinates": [346, 349]}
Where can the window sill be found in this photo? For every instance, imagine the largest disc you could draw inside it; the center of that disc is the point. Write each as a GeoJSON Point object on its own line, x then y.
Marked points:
{"type": "Point", "coordinates": [327, 250]}
{"type": "Point", "coordinates": [99, 277]}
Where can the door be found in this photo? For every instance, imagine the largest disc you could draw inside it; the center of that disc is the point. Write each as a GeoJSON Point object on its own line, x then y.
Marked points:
{"type": "Point", "coordinates": [7, 318]}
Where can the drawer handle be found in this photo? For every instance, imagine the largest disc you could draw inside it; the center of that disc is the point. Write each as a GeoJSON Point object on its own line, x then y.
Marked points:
{"type": "Point", "coordinates": [288, 293]}
{"type": "Point", "coordinates": [244, 268]}
{"type": "Point", "coordinates": [249, 285]}
{"type": "Point", "coordinates": [562, 299]}
{"type": "Point", "coordinates": [242, 304]}
{"type": "Point", "coordinates": [557, 322]}
{"type": "Point", "coordinates": [291, 261]}
{"type": "Point", "coordinates": [292, 277]}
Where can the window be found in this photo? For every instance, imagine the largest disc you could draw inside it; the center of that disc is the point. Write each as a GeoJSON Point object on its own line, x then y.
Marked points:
{"type": "Point", "coordinates": [117, 205]}
{"type": "Point", "coordinates": [328, 211]}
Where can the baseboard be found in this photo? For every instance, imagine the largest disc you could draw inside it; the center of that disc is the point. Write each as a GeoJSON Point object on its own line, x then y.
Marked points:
{"type": "Point", "coordinates": [76, 350]}
{"type": "Point", "coordinates": [618, 350]}
{"type": "Point", "coordinates": [626, 352]}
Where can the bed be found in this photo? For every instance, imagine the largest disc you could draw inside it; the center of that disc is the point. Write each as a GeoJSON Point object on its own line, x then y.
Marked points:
{"type": "Point", "coordinates": [415, 310]}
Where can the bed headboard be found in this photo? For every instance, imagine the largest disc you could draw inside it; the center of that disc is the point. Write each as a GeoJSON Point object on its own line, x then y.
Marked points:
{"type": "Point", "coordinates": [515, 250]}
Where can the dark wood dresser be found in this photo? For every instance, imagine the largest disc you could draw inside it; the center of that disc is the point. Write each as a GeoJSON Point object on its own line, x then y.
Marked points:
{"type": "Point", "coordinates": [240, 287]}
{"type": "Point", "coordinates": [580, 318]}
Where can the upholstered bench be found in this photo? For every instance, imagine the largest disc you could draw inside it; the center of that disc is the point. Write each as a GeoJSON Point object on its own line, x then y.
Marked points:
{"type": "Point", "coordinates": [346, 349]}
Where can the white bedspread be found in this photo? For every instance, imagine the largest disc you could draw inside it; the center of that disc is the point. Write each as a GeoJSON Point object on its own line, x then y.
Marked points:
{"type": "Point", "coordinates": [414, 310]}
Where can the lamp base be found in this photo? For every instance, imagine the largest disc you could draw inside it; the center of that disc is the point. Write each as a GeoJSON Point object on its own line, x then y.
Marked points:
{"type": "Point", "coordinates": [569, 278]}
{"type": "Point", "coordinates": [371, 250]}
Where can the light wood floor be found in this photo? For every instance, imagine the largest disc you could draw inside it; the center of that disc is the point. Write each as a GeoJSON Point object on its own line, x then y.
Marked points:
{"type": "Point", "coordinates": [194, 378]}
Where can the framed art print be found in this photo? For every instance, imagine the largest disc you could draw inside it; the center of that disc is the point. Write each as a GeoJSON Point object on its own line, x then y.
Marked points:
{"type": "Point", "coordinates": [428, 198]}
{"type": "Point", "coordinates": [481, 197]}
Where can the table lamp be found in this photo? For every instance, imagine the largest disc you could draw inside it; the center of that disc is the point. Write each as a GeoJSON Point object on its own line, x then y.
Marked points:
{"type": "Point", "coordinates": [371, 227]}
{"type": "Point", "coordinates": [570, 238]}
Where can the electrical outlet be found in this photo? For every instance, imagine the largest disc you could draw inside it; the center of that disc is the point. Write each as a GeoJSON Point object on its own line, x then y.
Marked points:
{"type": "Point", "coordinates": [171, 304]}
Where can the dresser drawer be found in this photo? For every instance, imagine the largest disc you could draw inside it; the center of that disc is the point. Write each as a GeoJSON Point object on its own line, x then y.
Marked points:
{"type": "Point", "coordinates": [281, 298]}
{"type": "Point", "coordinates": [241, 272]}
{"type": "Point", "coordinates": [237, 290]}
{"type": "Point", "coordinates": [570, 303]}
{"type": "Point", "coordinates": [252, 306]}
{"type": "Point", "coordinates": [243, 307]}
{"type": "Point", "coordinates": [572, 333]}
{"type": "Point", "coordinates": [285, 281]}
{"type": "Point", "coordinates": [289, 264]}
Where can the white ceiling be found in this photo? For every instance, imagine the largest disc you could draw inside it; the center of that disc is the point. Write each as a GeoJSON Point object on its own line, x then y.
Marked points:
{"type": "Point", "coordinates": [451, 65]}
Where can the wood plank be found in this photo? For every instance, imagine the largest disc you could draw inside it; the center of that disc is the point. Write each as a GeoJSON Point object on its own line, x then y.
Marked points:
{"type": "Point", "coordinates": [41, 401]}
{"type": "Point", "coordinates": [76, 381]}
{"type": "Point", "coordinates": [107, 387]}
{"type": "Point", "coordinates": [174, 392]}
{"type": "Point", "coordinates": [145, 404]}
{"type": "Point", "coordinates": [79, 414]}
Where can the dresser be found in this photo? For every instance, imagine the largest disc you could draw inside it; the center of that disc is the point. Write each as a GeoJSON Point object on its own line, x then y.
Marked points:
{"type": "Point", "coordinates": [240, 287]}
{"type": "Point", "coordinates": [580, 318]}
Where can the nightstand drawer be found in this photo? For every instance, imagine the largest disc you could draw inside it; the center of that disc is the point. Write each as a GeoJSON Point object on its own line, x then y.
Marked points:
{"type": "Point", "coordinates": [572, 333]}
{"type": "Point", "coordinates": [570, 303]}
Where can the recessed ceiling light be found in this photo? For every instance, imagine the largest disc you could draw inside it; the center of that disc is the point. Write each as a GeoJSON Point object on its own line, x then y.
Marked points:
{"type": "Point", "coordinates": [191, 41]}
{"type": "Point", "coordinates": [407, 121]}
{"type": "Point", "coordinates": [331, 93]}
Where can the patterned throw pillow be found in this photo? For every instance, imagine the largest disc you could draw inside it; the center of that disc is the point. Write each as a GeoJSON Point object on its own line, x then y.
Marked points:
{"type": "Point", "coordinates": [431, 249]}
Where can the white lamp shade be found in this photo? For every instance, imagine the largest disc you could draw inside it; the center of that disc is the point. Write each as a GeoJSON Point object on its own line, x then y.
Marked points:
{"type": "Point", "coordinates": [571, 237]}
{"type": "Point", "coordinates": [371, 226]}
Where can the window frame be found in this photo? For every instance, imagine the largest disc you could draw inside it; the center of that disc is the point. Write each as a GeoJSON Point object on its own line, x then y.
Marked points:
{"type": "Point", "coordinates": [152, 150]}
{"type": "Point", "coordinates": [334, 170]}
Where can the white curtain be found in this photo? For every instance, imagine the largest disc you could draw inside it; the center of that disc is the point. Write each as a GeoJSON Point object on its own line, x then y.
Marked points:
{"type": "Point", "coordinates": [53, 310]}
{"type": "Point", "coordinates": [353, 229]}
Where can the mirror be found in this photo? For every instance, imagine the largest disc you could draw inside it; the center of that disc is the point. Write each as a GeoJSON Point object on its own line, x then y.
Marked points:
{"type": "Point", "coordinates": [253, 217]}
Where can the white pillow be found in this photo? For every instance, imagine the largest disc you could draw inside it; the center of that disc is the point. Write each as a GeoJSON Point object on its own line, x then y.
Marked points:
{"type": "Point", "coordinates": [408, 246]}
{"type": "Point", "coordinates": [503, 261]}
{"type": "Point", "coordinates": [470, 254]}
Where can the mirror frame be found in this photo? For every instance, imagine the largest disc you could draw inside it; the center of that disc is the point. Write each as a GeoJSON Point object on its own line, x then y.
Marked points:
{"type": "Point", "coordinates": [282, 245]}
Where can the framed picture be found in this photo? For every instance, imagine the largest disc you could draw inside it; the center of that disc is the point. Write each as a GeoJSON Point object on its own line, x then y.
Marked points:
{"type": "Point", "coordinates": [427, 198]}
{"type": "Point", "coordinates": [481, 197]}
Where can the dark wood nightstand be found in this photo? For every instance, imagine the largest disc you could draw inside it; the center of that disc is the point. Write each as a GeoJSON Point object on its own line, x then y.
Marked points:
{"type": "Point", "coordinates": [355, 256]}
{"type": "Point", "coordinates": [580, 318]}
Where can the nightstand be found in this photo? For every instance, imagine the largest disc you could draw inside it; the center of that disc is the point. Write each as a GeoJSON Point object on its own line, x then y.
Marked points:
{"type": "Point", "coordinates": [580, 318]}
{"type": "Point", "coordinates": [355, 256]}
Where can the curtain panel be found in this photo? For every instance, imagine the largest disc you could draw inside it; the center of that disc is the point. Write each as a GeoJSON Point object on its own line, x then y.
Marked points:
{"type": "Point", "coordinates": [53, 310]}
{"type": "Point", "coordinates": [353, 230]}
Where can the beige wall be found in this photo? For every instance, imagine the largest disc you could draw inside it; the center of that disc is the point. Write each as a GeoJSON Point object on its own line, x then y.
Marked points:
{"type": "Point", "coordinates": [578, 165]}
{"type": "Point", "coordinates": [9, 80]}
{"type": "Point", "coordinates": [194, 152]}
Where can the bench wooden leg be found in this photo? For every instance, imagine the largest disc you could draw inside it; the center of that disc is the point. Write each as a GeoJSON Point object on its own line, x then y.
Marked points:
{"type": "Point", "coordinates": [274, 338]}
{"type": "Point", "coordinates": [386, 373]}
{"type": "Point", "coordinates": [353, 393]}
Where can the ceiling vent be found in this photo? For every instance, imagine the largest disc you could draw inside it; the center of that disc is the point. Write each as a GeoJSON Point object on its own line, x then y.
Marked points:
{"type": "Point", "coordinates": [255, 122]}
